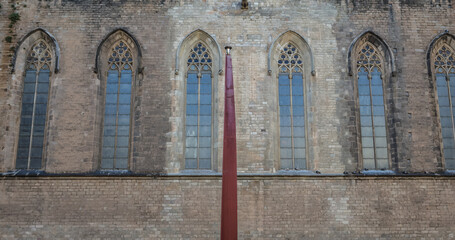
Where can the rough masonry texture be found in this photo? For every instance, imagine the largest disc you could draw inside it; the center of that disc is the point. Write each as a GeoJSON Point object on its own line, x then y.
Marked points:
{"type": "Point", "coordinates": [156, 197]}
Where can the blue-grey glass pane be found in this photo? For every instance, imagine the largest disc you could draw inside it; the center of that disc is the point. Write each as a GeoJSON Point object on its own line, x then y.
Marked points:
{"type": "Point", "coordinates": [25, 130]}
{"type": "Point", "coordinates": [36, 152]}
{"type": "Point", "coordinates": [205, 98]}
{"type": "Point", "coordinates": [30, 77]}
{"type": "Point", "coordinates": [191, 99]}
{"type": "Point", "coordinates": [108, 152]}
{"type": "Point", "coordinates": [191, 152]}
{"type": "Point", "coordinates": [299, 152]}
{"type": "Point", "coordinates": [376, 80]}
{"type": "Point", "coordinates": [27, 120]}
{"type": "Point", "coordinates": [443, 91]}
{"type": "Point", "coordinates": [205, 131]}
{"type": "Point", "coordinates": [204, 163]}
{"type": "Point", "coordinates": [111, 98]}
{"type": "Point", "coordinates": [364, 100]}
{"type": "Point", "coordinates": [112, 77]}
{"type": "Point", "coordinates": [284, 90]}
{"type": "Point", "coordinates": [191, 131]}
{"type": "Point", "coordinates": [298, 110]}
{"type": "Point", "coordinates": [364, 90]}
{"type": "Point", "coordinates": [367, 142]}
{"type": "Point", "coordinates": [23, 153]}
{"type": "Point", "coordinates": [446, 122]}
{"type": "Point", "coordinates": [191, 120]}
{"type": "Point", "coordinates": [299, 131]}
{"type": "Point", "coordinates": [27, 109]}
{"type": "Point", "coordinates": [43, 76]}
{"type": "Point", "coordinates": [41, 98]}
{"type": "Point", "coordinates": [299, 121]}
{"type": "Point", "coordinates": [299, 142]}
{"type": "Point", "coordinates": [191, 141]}
{"type": "Point", "coordinates": [365, 121]}
{"type": "Point", "coordinates": [297, 100]}
{"type": "Point", "coordinates": [123, 130]}
{"type": "Point", "coordinates": [286, 153]}
{"type": "Point", "coordinates": [379, 121]}
{"type": "Point", "coordinates": [206, 78]}
{"type": "Point", "coordinates": [378, 100]}
{"type": "Point", "coordinates": [40, 109]}
{"type": "Point", "coordinates": [38, 130]}
{"type": "Point", "coordinates": [107, 163]}
{"type": "Point", "coordinates": [29, 88]}
{"type": "Point", "coordinates": [206, 88]}
{"type": "Point", "coordinates": [110, 109]}
{"type": "Point", "coordinates": [24, 141]}
{"type": "Point", "coordinates": [300, 163]}
{"type": "Point", "coordinates": [285, 121]}
{"type": "Point", "coordinates": [297, 79]}
{"type": "Point", "coordinates": [125, 98]}
{"type": "Point", "coordinates": [35, 163]}
{"type": "Point", "coordinates": [297, 90]}
{"type": "Point", "coordinates": [381, 153]}
{"type": "Point", "coordinates": [38, 141]}
{"type": "Point", "coordinates": [109, 141]}
{"type": "Point", "coordinates": [377, 90]}
{"type": "Point", "coordinates": [205, 142]}
{"type": "Point", "coordinates": [121, 163]}
{"type": "Point", "coordinates": [124, 120]}
{"type": "Point", "coordinates": [43, 88]}
{"type": "Point", "coordinates": [122, 141]}
{"type": "Point", "coordinates": [378, 110]}
{"type": "Point", "coordinates": [452, 84]}
{"type": "Point", "coordinates": [109, 120]}
{"type": "Point", "coordinates": [124, 109]}
{"type": "Point", "coordinates": [191, 88]}
{"type": "Point", "coordinates": [125, 88]}
{"type": "Point", "coordinates": [367, 131]}
{"type": "Point", "coordinates": [363, 79]}
{"type": "Point", "coordinates": [112, 88]}
{"type": "Point", "coordinates": [204, 152]}
{"type": "Point", "coordinates": [283, 80]}
{"type": "Point", "coordinates": [192, 78]}
{"type": "Point", "coordinates": [40, 120]}
{"type": "Point", "coordinates": [444, 102]}
{"type": "Point", "coordinates": [191, 110]}
{"type": "Point", "coordinates": [285, 142]}
{"type": "Point", "coordinates": [285, 100]}
{"type": "Point", "coordinates": [447, 133]}
{"type": "Point", "coordinates": [367, 152]}
{"type": "Point", "coordinates": [190, 163]}
{"type": "Point", "coordinates": [383, 163]}
{"type": "Point", "coordinates": [379, 132]}
{"type": "Point", "coordinates": [286, 163]}
{"type": "Point", "coordinates": [126, 76]}
{"type": "Point", "coordinates": [450, 163]}
{"type": "Point", "coordinates": [448, 142]}
{"type": "Point", "coordinates": [205, 120]}
{"type": "Point", "coordinates": [444, 111]}
{"type": "Point", "coordinates": [285, 111]}
{"type": "Point", "coordinates": [369, 163]}
{"type": "Point", "coordinates": [285, 131]}
{"type": "Point", "coordinates": [122, 152]}
{"type": "Point", "coordinates": [28, 98]}
{"type": "Point", "coordinates": [21, 163]}
{"type": "Point", "coordinates": [109, 130]}
{"type": "Point", "coordinates": [380, 142]}
{"type": "Point", "coordinates": [441, 80]}
{"type": "Point", "coordinates": [206, 109]}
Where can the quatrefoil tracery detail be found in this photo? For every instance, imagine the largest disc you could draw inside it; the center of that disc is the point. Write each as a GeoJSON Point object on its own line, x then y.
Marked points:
{"type": "Point", "coordinates": [445, 60]}
{"type": "Point", "coordinates": [121, 57]}
{"type": "Point", "coordinates": [40, 56]}
{"type": "Point", "coordinates": [369, 59]}
{"type": "Point", "coordinates": [290, 60]}
{"type": "Point", "coordinates": [200, 58]}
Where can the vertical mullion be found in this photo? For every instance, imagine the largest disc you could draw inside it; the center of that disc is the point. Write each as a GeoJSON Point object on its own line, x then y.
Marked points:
{"type": "Point", "coordinates": [33, 120]}
{"type": "Point", "coordinates": [372, 120]}
{"type": "Point", "coordinates": [116, 119]}
{"type": "Point", "coordinates": [199, 76]}
{"type": "Point", "coordinates": [292, 119]}
{"type": "Point", "coordinates": [450, 105]}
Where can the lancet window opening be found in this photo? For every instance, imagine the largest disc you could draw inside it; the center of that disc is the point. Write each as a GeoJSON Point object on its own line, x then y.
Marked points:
{"type": "Point", "coordinates": [444, 68]}
{"type": "Point", "coordinates": [291, 91]}
{"type": "Point", "coordinates": [34, 107]}
{"type": "Point", "coordinates": [370, 73]}
{"type": "Point", "coordinates": [117, 108]}
{"type": "Point", "coordinates": [198, 118]}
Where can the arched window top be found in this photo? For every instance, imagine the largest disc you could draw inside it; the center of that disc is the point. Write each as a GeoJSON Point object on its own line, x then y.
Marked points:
{"type": "Point", "coordinates": [200, 58]}
{"type": "Point", "coordinates": [188, 45]}
{"type": "Point", "coordinates": [380, 49]}
{"type": "Point", "coordinates": [40, 56]}
{"type": "Point", "coordinates": [301, 47]}
{"type": "Point", "coordinates": [121, 57]}
{"type": "Point", "coordinates": [369, 59]}
{"type": "Point", "coordinates": [444, 60]}
{"type": "Point", "coordinates": [290, 59]}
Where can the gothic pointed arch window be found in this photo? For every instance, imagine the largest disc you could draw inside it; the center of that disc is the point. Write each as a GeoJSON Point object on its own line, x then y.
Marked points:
{"type": "Point", "coordinates": [444, 71]}
{"type": "Point", "coordinates": [291, 94]}
{"type": "Point", "coordinates": [34, 106]}
{"type": "Point", "coordinates": [370, 68]}
{"type": "Point", "coordinates": [117, 106]}
{"type": "Point", "coordinates": [198, 105]}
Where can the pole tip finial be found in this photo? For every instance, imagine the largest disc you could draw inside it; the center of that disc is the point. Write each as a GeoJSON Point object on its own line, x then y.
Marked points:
{"type": "Point", "coordinates": [228, 49]}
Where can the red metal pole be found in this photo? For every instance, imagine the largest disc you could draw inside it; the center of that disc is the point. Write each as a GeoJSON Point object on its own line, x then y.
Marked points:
{"type": "Point", "coordinates": [229, 197]}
